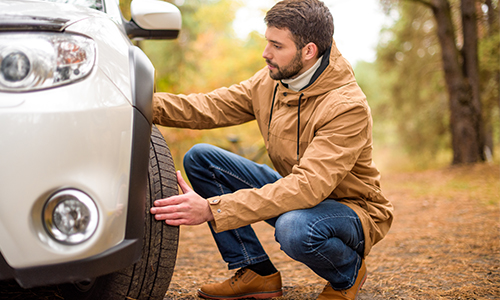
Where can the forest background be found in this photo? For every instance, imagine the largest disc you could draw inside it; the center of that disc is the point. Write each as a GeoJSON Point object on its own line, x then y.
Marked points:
{"type": "Point", "coordinates": [444, 243]}
{"type": "Point", "coordinates": [405, 85]}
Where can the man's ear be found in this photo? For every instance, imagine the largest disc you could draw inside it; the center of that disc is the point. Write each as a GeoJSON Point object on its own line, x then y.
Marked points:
{"type": "Point", "coordinates": [310, 51]}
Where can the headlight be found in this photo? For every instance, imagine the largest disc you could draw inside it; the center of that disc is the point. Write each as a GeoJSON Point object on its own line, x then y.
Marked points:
{"type": "Point", "coordinates": [32, 61]}
{"type": "Point", "coordinates": [70, 216]}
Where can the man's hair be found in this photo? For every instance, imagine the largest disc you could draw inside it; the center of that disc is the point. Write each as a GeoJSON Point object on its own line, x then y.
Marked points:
{"type": "Point", "coordinates": [307, 20]}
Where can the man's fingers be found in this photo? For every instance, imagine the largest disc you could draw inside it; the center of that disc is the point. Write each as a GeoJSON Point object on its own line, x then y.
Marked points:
{"type": "Point", "coordinates": [188, 208]}
{"type": "Point", "coordinates": [174, 219]}
{"type": "Point", "coordinates": [178, 203]}
{"type": "Point", "coordinates": [176, 222]}
{"type": "Point", "coordinates": [184, 186]}
{"type": "Point", "coordinates": [168, 216]}
{"type": "Point", "coordinates": [173, 200]}
{"type": "Point", "coordinates": [168, 209]}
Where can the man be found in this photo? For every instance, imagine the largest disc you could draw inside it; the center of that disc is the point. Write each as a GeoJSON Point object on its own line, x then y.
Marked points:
{"type": "Point", "coordinates": [324, 199]}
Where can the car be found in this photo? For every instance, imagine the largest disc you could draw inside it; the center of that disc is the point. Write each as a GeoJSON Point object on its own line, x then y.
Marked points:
{"type": "Point", "coordinates": [81, 162]}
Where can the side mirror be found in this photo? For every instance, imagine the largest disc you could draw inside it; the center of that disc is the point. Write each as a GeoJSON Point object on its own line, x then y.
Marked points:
{"type": "Point", "coordinates": [153, 19]}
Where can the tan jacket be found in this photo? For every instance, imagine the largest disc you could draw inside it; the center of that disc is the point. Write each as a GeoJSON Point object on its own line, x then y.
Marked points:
{"type": "Point", "coordinates": [334, 145]}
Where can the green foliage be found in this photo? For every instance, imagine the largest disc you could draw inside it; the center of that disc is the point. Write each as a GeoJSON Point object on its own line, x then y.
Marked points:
{"type": "Point", "coordinates": [405, 86]}
{"type": "Point", "coordinates": [207, 55]}
{"type": "Point", "coordinates": [409, 64]}
{"type": "Point", "coordinates": [377, 90]}
{"type": "Point", "coordinates": [125, 8]}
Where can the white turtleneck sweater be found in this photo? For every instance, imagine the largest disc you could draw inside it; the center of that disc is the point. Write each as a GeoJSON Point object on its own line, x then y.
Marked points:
{"type": "Point", "coordinates": [297, 83]}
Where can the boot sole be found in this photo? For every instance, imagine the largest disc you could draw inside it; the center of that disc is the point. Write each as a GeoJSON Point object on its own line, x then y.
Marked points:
{"type": "Point", "coordinates": [259, 295]}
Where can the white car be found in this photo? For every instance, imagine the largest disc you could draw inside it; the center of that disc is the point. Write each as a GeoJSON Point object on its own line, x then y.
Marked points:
{"type": "Point", "coordinates": [81, 161]}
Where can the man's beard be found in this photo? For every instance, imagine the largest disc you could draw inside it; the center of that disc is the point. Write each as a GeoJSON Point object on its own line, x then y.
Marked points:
{"type": "Point", "coordinates": [288, 71]}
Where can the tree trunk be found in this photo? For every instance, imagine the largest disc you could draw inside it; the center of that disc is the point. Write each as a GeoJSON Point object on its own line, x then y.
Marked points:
{"type": "Point", "coordinates": [465, 112]}
{"type": "Point", "coordinates": [471, 69]}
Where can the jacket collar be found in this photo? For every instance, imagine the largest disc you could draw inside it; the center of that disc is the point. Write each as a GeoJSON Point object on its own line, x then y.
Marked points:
{"type": "Point", "coordinates": [325, 61]}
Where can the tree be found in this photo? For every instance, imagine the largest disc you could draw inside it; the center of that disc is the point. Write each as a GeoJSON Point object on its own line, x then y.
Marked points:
{"type": "Point", "coordinates": [461, 73]}
{"type": "Point", "coordinates": [411, 95]}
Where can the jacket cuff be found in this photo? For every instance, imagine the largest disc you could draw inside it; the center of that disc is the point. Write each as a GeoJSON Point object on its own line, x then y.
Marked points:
{"type": "Point", "coordinates": [219, 223]}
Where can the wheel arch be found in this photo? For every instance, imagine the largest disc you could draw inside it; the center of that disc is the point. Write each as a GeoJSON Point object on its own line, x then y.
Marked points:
{"type": "Point", "coordinates": [142, 83]}
{"type": "Point", "coordinates": [142, 77]}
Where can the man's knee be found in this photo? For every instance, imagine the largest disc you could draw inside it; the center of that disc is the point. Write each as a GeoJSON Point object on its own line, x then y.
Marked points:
{"type": "Point", "coordinates": [291, 234]}
{"type": "Point", "coordinates": [196, 155]}
{"type": "Point", "coordinates": [197, 151]}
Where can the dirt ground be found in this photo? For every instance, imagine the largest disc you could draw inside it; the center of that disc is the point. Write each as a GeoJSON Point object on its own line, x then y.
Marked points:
{"type": "Point", "coordinates": [444, 243]}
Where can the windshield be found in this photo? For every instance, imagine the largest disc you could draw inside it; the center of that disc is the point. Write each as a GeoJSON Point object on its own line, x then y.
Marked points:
{"type": "Point", "coordinates": [95, 4]}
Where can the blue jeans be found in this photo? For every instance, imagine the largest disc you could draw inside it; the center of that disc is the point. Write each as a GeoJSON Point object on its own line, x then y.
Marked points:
{"type": "Point", "coordinates": [328, 238]}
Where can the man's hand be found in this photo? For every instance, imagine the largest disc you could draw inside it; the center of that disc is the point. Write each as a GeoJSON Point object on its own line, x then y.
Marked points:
{"type": "Point", "coordinates": [186, 209]}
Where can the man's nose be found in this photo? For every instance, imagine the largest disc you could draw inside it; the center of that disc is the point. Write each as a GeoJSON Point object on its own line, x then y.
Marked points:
{"type": "Point", "coordinates": [266, 54]}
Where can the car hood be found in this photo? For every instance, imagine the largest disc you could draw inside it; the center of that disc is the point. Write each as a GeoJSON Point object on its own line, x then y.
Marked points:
{"type": "Point", "coordinates": [40, 15]}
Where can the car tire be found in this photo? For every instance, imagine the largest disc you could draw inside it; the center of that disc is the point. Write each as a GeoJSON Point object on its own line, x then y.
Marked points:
{"type": "Point", "coordinates": [150, 277]}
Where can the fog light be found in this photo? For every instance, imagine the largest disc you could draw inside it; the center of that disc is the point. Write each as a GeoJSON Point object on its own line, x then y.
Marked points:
{"type": "Point", "coordinates": [70, 216]}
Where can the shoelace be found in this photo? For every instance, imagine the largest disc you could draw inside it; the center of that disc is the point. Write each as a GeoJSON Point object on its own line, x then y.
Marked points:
{"type": "Point", "coordinates": [238, 275]}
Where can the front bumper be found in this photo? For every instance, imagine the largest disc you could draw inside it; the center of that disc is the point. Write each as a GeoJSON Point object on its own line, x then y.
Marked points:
{"type": "Point", "coordinates": [55, 139]}
{"type": "Point", "coordinates": [116, 258]}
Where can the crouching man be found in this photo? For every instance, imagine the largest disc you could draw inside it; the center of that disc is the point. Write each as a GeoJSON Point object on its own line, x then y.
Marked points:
{"type": "Point", "coordinates": [323, 198]}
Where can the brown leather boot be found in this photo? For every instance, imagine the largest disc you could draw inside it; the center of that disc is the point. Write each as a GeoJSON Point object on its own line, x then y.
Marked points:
{"type": "Point", "coordinates": [244, 284]}
{"type": "Point", "coordinates": [350, 294]}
